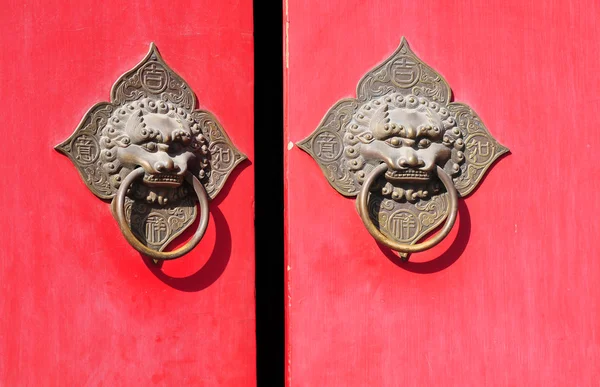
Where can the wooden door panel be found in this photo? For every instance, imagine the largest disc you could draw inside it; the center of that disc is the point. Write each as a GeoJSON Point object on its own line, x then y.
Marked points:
{"type": "Point", "coordinates": [80, 306]}
{"type": "Point", "coordinates": [508, 298]}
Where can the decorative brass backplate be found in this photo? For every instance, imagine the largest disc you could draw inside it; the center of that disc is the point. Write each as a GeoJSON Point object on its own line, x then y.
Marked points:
{"type": "Point", "coordinates": [403, 118]}
{"type": "Point", "coordinates": [151, 124]}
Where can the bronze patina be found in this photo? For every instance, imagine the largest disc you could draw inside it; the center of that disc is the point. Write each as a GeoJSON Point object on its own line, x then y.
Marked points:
{"type": "Point", "coordinates": [405, 150]}
{"type": "Point", "coordinates": [142, 148]}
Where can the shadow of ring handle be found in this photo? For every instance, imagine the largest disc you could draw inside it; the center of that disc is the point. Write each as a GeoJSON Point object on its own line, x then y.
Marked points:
{"type": "Point", "coordinates": [119, 210]}
{"type": "Point", "coordinates": [362, 200]}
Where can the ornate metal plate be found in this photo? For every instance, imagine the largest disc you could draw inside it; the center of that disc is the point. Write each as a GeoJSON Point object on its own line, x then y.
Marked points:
{"type": "Point", "coordinates": [151, 123]}
{"type": "Point", "coordinates": [403, 117]}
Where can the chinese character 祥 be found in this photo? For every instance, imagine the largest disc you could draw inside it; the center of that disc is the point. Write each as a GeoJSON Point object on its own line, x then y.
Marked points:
{"type": "Point", "coordinates": [156, 229]}
{"type": "Point", "coordinates": [402, 226]}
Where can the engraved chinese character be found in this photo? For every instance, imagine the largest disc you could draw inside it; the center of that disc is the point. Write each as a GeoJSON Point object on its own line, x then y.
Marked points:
{"type": "Point", "coordinates": [85, 149]}
{"type": "Point", "coordinates": [327, 146]}
{"type": "Point", "coordinates": [156, 229]}
{"type": "Point", "coordinates": [405, 71]}
{"type": "Point", "coordinates": [478, 148]}
{"type": "Point", "coordinates": [221, 157]}
{"type": "Point", "coordinates": [154, 78]}
{"type": "Point", "coordinates": [403, 226]}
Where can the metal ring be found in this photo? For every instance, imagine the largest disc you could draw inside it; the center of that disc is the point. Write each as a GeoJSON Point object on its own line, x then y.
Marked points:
{"type": "Point", "coordinates": [401, 247]}
{"type": "Point", "coordinates": [119, 210]}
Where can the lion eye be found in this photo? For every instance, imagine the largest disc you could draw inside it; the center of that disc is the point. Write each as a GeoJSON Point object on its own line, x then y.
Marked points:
{"type": "Point", "coordinates": [424, 143]}
{"type": "Point", "coordinates": [150, 146]}
{"type": "Point", "coordinates": [366, 137]}
{"type": "Point", "coordinates": [394, 142]}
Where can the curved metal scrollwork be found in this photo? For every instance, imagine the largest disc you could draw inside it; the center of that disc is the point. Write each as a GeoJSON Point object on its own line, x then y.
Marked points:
{"type": "Point", "coordinates": [413, 149]}
{"type": "Point", "coordinates": [140, 148]}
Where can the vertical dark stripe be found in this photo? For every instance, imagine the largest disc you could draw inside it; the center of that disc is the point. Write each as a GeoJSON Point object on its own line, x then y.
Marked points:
{"type": "Point", "coordinates": [268, 163]}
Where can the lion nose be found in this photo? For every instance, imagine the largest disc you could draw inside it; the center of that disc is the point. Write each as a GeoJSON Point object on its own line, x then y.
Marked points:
{"type": "Point", "coordinates": [166, 166]}
{"type": "Point", "coordinates": [410, 161]}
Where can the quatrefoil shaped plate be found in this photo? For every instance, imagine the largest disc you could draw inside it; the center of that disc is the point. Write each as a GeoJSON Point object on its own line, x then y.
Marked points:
{"type": "Point", "coordinates": [403, 90]}
{"type": "Point", "coordinates": [152, 107]}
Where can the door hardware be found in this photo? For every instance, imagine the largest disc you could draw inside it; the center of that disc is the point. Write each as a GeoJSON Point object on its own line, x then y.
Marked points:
{"type": "Point", "coordinates": [405, 150]}
{"type": "Point", "coordinates": [140, 150]}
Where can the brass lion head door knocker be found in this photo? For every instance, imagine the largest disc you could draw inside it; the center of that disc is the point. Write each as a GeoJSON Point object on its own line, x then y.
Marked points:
{"type": "Point", "coordinates": [405, 150]}
{"type": "Point", "coordinates": [154, 155]}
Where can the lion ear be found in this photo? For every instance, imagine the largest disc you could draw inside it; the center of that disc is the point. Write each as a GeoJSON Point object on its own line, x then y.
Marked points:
{"type": "Point", "coordinates": [378, 120]}
{"type": "Point", "coordinates": [133, 122]}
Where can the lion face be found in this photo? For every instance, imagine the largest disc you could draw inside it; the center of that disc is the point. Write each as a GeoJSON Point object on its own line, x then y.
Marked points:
{"type": "Point", "coordinates": [162, 138]}
{"type": "Point", "coordinates": [412, 136]}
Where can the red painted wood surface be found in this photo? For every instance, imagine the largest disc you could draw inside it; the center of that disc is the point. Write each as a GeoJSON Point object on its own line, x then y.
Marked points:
{"type": "Point", "coordinates": [79, 306]}
{"type": "Point", "coordinates": [511, 297]}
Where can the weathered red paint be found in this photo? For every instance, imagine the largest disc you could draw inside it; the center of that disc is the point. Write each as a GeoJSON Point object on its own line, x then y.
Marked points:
{"type": "Point", "coordinates": [79, 307]}
{"type": "Point", "coordinates": [510, 298]}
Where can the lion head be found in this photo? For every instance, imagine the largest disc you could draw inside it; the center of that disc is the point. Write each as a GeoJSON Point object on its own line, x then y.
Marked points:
{"type": "Point", "coordinates": [159, 136]}
{"type": "Point", "coordinates": [412, 135]}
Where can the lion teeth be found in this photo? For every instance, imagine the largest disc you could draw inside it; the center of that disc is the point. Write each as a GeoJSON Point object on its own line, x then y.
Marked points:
{"type": "Point", "coordinates": [163, 178]}
{"type": "Point", "coordinates": [409, 173]}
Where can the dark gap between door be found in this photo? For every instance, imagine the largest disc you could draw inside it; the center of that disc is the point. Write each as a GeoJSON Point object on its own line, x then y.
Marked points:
{"type": "Point", "coordinates": [268, 162]}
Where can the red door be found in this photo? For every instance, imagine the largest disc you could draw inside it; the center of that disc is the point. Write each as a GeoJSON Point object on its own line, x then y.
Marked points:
{"type": "Point", "coordinates": [509, 297]}
{"type": "Point", "coordinates": [80, 306]}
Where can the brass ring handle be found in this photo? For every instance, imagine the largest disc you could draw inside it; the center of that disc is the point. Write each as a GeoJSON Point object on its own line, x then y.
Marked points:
{"type": "Point", "coordinates": [402, 247]}
{"type": "Point", "coordinates": [119, 210]}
